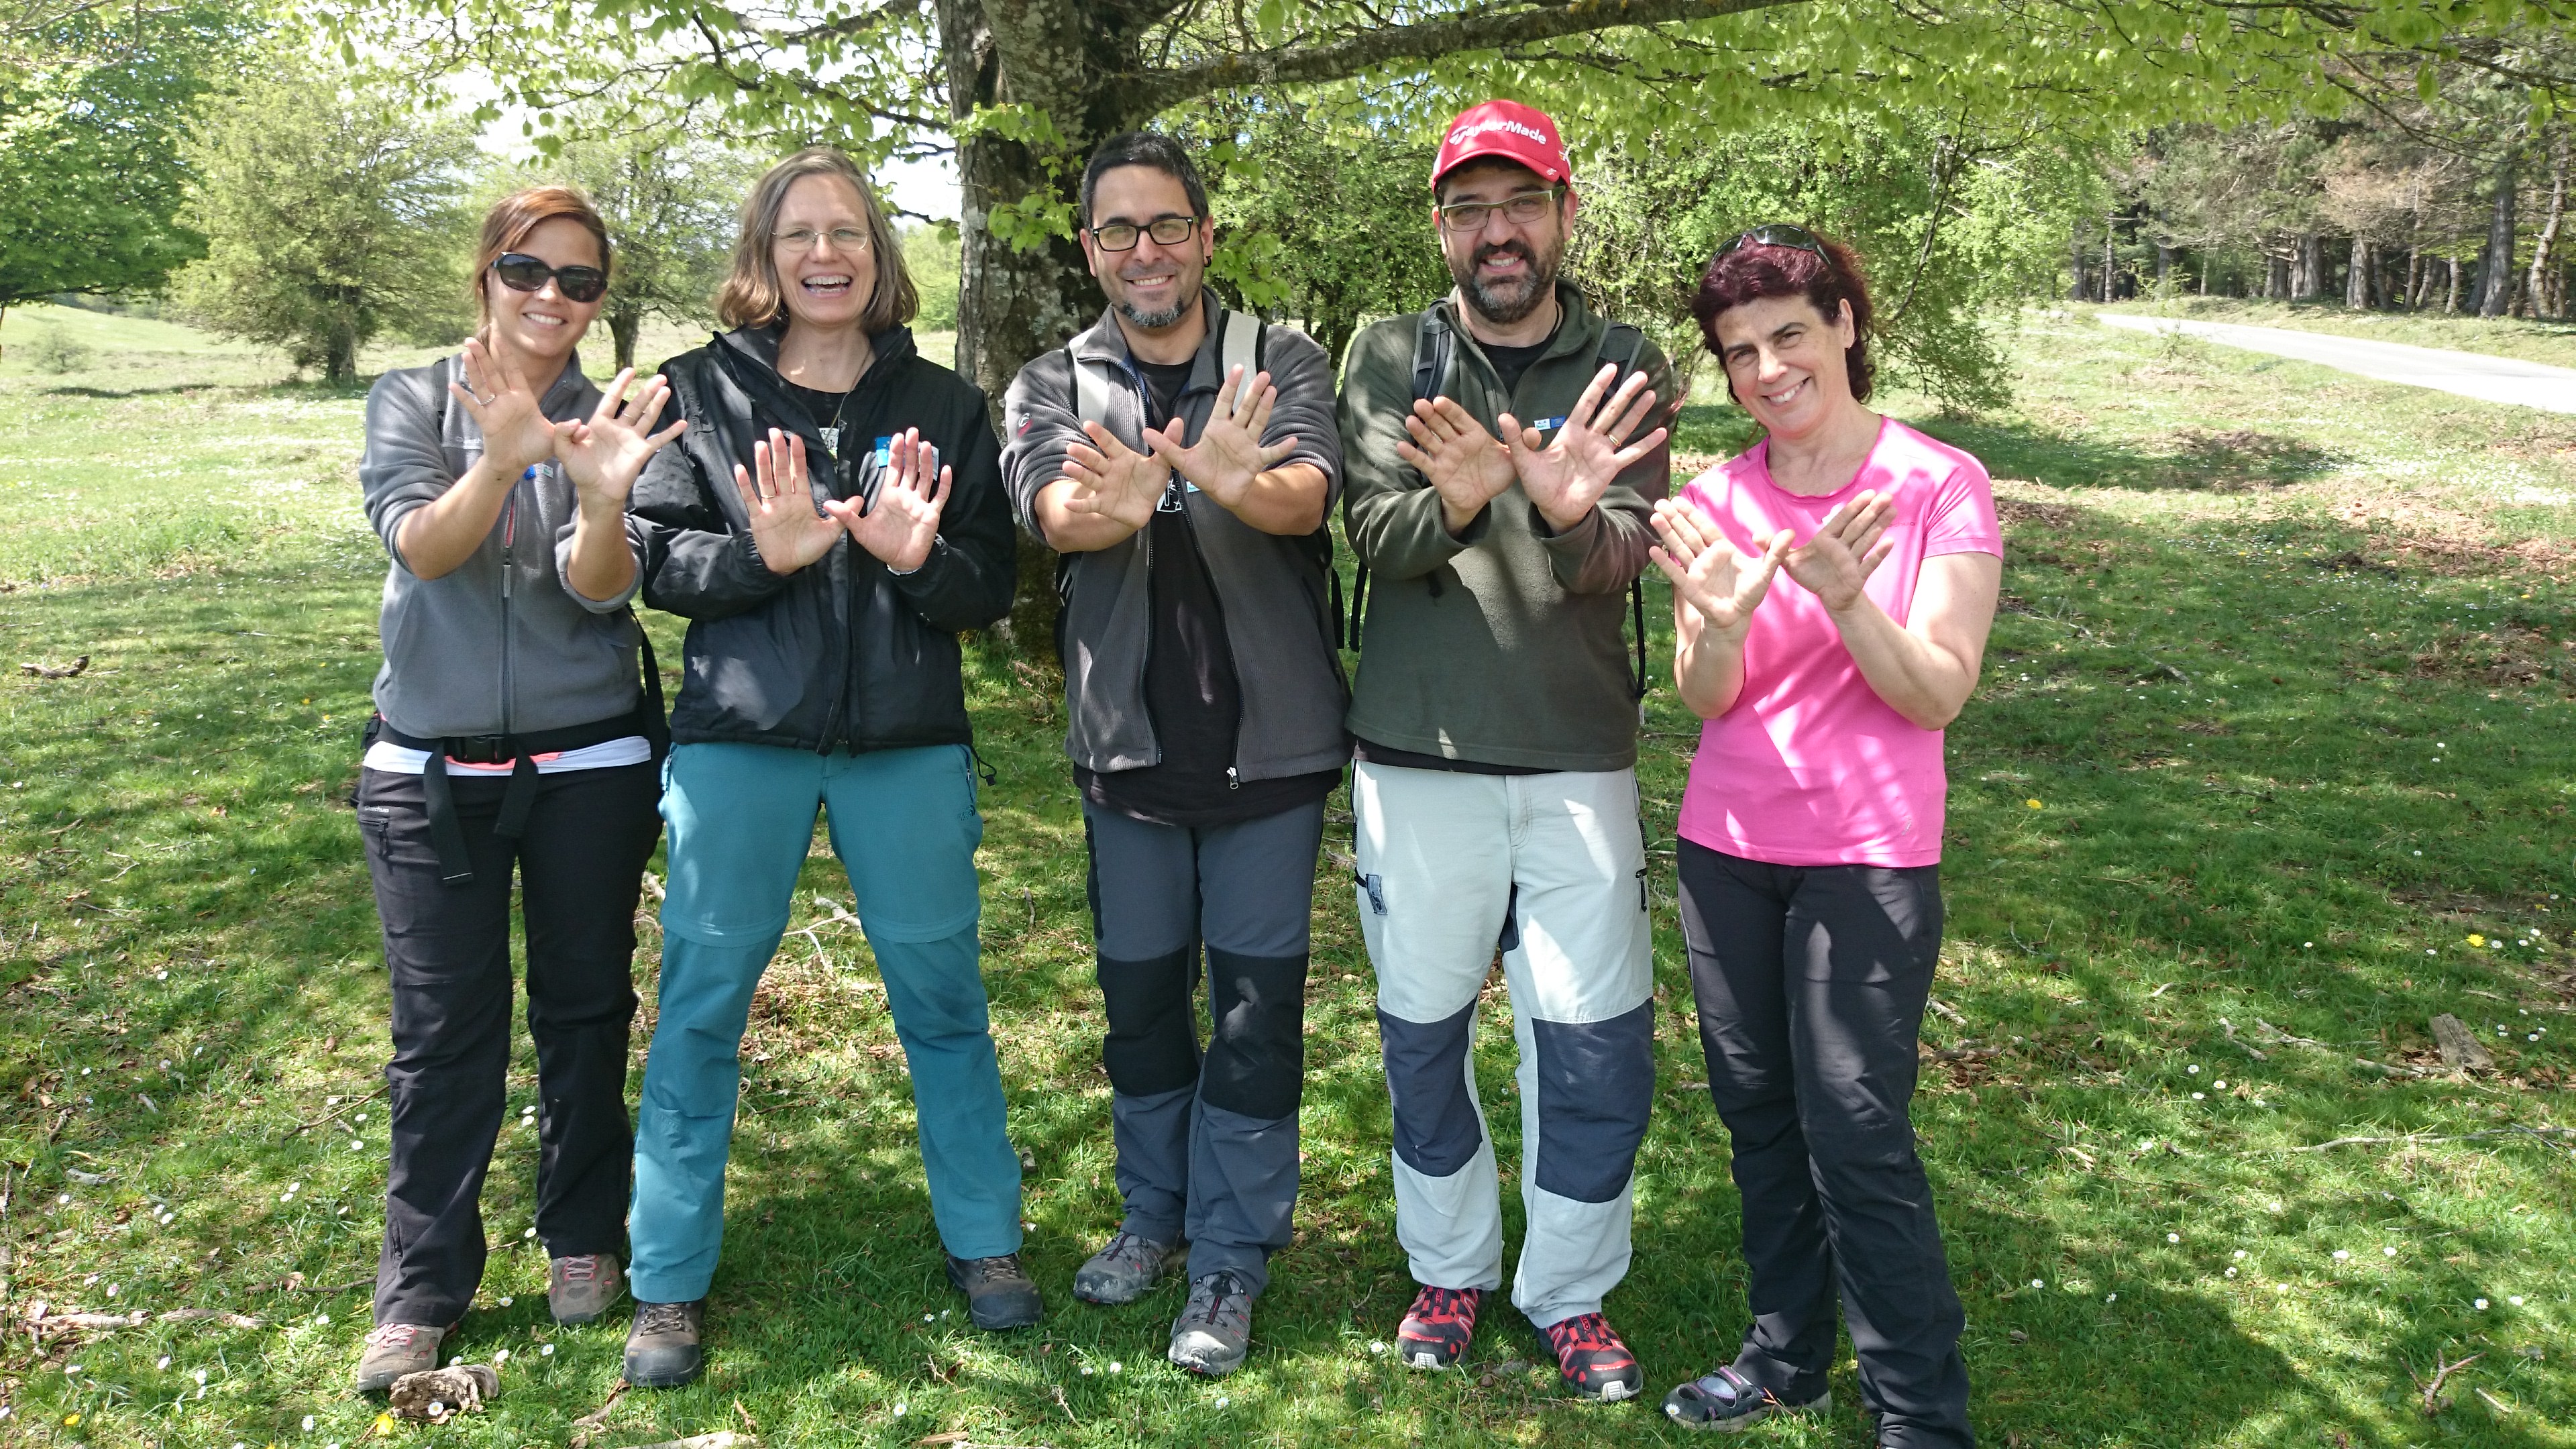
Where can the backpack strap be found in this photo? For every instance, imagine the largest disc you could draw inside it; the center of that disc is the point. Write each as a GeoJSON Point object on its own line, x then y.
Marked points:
{"type": "Point", "coordinates": [1091, 384]}
{"type": "Point", "coordinates": [1238, 345]}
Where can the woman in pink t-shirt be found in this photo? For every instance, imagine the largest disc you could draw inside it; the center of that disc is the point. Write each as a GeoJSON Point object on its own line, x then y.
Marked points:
{"type": "Point", "coordinates": [1832, 589]}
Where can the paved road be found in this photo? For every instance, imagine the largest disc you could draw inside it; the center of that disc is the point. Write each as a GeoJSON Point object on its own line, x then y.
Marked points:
{"type": "Point", "coordinates": [2470, 374]}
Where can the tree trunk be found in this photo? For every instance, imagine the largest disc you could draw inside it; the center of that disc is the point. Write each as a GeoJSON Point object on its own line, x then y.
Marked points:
{"type": "Point", "coordinates": [2496, 279]}
{"type": "Point", "coordinates": [2414, 299]}
{"type": "Point", "coordinates": [2308, 278]}
{"type": "Point", "coordinates": [2164, 263]}
{"type": "Point", "coordinates": [2541, 250]}
{"type": "Point", "coordinates": [340, 355]}
{"type": "Point", "coordinates": [2077, 286]}
{"type": "Point", "coordinates": [2356, 276]}
{"type": "Point", "coordinates": [2110, 267]}
{"type": "Point", "coordinates": [624, 325]}
{"type": "Point", "coordinates": [2451, 298]}
{"type": "Point", "coordinates": [2276, 277]}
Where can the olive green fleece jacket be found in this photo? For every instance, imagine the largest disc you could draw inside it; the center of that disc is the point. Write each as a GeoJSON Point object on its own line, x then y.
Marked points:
{"type": "Point", "coordinates": [1502, 645]}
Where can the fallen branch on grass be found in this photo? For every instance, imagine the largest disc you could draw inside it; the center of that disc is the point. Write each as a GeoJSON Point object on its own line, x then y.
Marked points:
{"type": "Point", "coordinates": [43, 671]}
{"type": "Point", "coordinates": [2441, 1371]}
{"type": "Point", "coordinates": [210, 1315]}
{"type": "Point", "coordinates": [2230, 1029]}
{"type": "Point", "coordinates": [347, 1106]}
{"type": "Point", "coordinates": [2460, 1048]}
{"type": "Point", "coordinates": [2540, 1132]}
{"type": "Point", "coordinates": [587, 1429]}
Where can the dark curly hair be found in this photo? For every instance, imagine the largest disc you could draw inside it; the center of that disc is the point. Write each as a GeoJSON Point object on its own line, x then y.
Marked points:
{"type": "Point", "coordinates": [1753, 271]}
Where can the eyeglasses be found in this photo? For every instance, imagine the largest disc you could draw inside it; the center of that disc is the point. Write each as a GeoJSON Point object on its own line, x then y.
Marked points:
{"type": "Point", "coordinates": [1167, 231]}
{"type": "Point", "coordinates": [1778, 234]}
{"type": "Point", "coordinates": [523, 273]}
{"type": "Point", "coordinates": [1519, 210]}
{"type": "Point", "coordinates": [844, 239]}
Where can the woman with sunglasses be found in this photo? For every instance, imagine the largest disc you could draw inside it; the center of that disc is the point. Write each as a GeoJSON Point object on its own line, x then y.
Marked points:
{"type": "Point", "coordinates": [832, 521]}
{"type": "Point", "coordinates": [1832, 589]}
{"type": "Point", "coordinates": [513, 732]}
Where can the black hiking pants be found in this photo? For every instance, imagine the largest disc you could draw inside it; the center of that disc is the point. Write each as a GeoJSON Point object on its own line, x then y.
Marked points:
{"type": "Point", "coordinates": [1811, 982]}
{"type": "Point", "coordinates": [579, 868]}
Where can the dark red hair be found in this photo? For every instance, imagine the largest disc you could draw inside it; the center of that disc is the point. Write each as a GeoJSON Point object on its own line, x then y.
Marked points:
{"type": "Point", "coordinates": [1754, 271]}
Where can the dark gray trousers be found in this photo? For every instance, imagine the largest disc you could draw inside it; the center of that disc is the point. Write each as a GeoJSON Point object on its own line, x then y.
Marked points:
{"type": "Point", "coordinates": [1207, 1138]}
{"type": "Point", "coordinates": [1811, 982]}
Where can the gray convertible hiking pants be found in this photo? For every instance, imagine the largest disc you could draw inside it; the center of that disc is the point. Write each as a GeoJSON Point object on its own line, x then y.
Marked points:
{"type": "Point", "coordinates": [1550, 869]}
{"type": "Point", "coordinates": [1207, 1140]}
{"type": "Point", "coordinates": [1811, 983]}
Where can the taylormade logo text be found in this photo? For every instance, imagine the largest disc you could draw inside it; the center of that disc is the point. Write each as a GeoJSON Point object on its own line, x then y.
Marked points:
{"type": "Point", "coordinates": [1465, 134]}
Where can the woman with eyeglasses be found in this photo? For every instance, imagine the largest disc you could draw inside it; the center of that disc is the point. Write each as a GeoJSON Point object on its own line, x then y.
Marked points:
{"type": "Point", "coordinates": [1832, 589]}
{"type": "Point", "coordinates": [513, 734]}
{"type": "Point", "coordinates": [831, 522]}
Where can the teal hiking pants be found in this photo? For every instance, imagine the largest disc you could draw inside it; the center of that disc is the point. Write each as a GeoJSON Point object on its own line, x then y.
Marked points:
{"type": "Point", "coordinates": [741, 817]}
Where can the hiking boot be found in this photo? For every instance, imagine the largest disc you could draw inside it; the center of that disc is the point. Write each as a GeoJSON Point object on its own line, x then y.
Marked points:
{"type": "Point", "coordinates": [1434, 1334]}
{"type": "Point", "coordinates": [580, 1289]}
{"type": "Point", "coordinates": [999, 1292]}
{"type": "Point", "coordinates": [665, 1348]}
{"type": "Point", "coordinates": [1727, 1401]}
{"type": "Point", "coordinates": [1592, 1360]}
{"type": "Point", "coordinates": [395, 1349]}
{"type": "Point", "coordinates": [1214, 1332]}
{"type": "Point", "coordinates": [1123, 1271]}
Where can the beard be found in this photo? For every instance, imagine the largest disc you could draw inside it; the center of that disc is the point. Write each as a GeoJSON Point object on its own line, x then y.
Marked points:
{"type": "Point", "coordinates": [1156, 320]}
{"type": "Point", "coordinates": [1507, 302]}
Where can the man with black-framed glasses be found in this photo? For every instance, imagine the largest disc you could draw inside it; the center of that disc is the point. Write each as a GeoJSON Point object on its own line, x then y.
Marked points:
{"type": "Point", "coordinates": [1503, 473]}
{"type": "Point", "coordinates": [1182, 460]}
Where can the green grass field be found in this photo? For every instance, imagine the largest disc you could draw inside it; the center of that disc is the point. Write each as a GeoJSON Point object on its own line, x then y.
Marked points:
{"type": "Point", "coordinates": [2531, 339]}
{"type": "Point", "coordinates": [2240, 807]}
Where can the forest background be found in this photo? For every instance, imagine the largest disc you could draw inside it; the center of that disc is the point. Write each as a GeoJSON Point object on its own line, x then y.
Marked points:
{"type": "Point", "coordinates": [2263, 776]}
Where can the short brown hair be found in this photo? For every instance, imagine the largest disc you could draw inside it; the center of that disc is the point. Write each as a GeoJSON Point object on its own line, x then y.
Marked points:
{"type": "Point", "coordinates": [752, 295]}
{"type": "Point", "coordinates": [513, 217]}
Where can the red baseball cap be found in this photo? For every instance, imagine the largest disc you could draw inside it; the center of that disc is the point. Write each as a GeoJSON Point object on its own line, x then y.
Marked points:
{"type": "Point", "coordinates": [1506, 129]}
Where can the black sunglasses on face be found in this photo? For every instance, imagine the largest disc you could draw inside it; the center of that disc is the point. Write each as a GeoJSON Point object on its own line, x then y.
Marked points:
{"type": "Point", "coordinates": [523, 273]}
{"type": "Point", "coordinates": [1778, 234]}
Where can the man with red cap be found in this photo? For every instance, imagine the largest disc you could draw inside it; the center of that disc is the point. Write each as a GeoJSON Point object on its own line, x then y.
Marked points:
{"type": "Point", "coordinates": [1501, 477]}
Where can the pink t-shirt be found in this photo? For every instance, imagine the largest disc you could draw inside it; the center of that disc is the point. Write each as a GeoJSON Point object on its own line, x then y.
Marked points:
{"type": "Point", "coordinates": [1811, 767]}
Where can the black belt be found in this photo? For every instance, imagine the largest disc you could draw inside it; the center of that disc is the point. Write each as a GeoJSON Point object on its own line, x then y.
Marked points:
{"type": "Point", "coordinates": [519, 751]}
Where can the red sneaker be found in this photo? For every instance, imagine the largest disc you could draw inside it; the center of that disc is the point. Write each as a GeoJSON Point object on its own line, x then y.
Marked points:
{"type": "Point", "coordinates": [1434, 1334]}
{"type": "Point", "coordinates": [1592, 1360]}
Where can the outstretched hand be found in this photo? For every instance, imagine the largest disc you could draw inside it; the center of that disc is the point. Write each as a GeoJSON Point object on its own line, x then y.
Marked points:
{"type": "Point", "coordinates": [778, 493]}
{"type": "Point", "coordinates": [1846, 549]}
{"type": "Point", "coordinates": [603, 455]}
{"type": "Point", "coordinates": [1229, 454]}
{"type": "Point", "coordinates": [900, 526]}
{"type": "Point", "coordinates": [1462, 462]}
{"type": "Point", "coordinates": [1113, 480]}
{"type": "Point", "coordinates": [1723, 586]}
{"type": "Point", "coordinates": [1568, 476]}
{"type": "Point", "coordinates": [496, 394]}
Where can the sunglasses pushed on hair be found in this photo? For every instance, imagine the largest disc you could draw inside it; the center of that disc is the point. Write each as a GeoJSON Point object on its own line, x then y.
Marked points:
{"type": "Point", "coordinates": [523, 273]}
{"type": "Point", "coordinates": [1777, 234]}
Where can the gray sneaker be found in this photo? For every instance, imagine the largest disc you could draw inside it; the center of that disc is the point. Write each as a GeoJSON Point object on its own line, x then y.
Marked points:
{"type": "Point", "coordinates": [396, 1349]}
{"type": "Point", "coordinates": [579, 1289]}
{"type": "Point", "coordinates": [1213, 1333]}
{"type": "Point", "coordinates": [666, 1347]}
{"type": "Point", "coordinates": [1123, 1271]}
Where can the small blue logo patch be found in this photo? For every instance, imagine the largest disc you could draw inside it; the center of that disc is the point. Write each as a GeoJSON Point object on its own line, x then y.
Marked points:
{"type": "Point", "coordinates": [885, 451]}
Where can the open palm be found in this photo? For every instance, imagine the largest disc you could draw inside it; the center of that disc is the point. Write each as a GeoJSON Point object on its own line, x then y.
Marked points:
{"type": "Point", "coordinates": [496, 394]}
{"type": "Point", "coordinates": [1723, 586]}
{"type": "Point", "coordinates": [778, 493]}
{"type": "Point", "coordinates": [1568, 476]}
{"type": "Point", "coordinates": [1113, 480]}
{"type": "Point", "coordinates": [902, 523]}
{"type": "Point", "coordinates": [1228, 455]}
{"type": "Point", "coordinates": [603, 454]}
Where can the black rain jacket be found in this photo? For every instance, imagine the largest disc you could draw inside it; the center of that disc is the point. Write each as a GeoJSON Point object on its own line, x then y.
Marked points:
{"type": "Point", "coordinates": [842, 654]}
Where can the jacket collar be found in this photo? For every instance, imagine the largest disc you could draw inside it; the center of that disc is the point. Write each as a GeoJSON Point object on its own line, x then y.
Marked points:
{"type": "Point", "coordinates": [759, 345]}
{"type": "Point", "coordinates": [1106, 341]}
{"type": "Point", "coordinates": [1576, 331]}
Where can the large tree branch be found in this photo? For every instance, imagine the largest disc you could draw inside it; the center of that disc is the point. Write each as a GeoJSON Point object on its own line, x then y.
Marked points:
{"type": "Point", "coordinates": [1483, 29]}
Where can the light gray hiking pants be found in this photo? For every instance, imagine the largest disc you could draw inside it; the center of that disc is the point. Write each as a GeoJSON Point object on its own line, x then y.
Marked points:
{"type": "Point", "coordinates": [1550, 869]}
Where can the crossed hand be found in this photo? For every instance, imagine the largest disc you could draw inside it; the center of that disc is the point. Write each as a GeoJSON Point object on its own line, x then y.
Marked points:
{"type": "Point", "coordinates": [602, 454]}
{"type": "Point", "coordinates": [1469, 469]}
{"type": "Point", "coordinates": [1725, 586]}
{"type": "Point", "coordinates": [1125, 485]}
{"type": "Point", "coordinates": [898, 528]}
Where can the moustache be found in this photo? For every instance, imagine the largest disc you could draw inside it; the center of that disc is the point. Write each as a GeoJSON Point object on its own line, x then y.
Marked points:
{"type": "Point", "coordinates": [1502, 249]}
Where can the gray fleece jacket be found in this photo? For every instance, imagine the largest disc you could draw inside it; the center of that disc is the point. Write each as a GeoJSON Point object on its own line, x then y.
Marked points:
{"type": "Point", "coordinates": [1273, 592]}
{"type": "Point", "coordinates": [501, 644]}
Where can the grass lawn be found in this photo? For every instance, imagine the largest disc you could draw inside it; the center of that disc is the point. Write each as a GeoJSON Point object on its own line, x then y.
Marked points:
{"type": "Point", "coordinates": [2531, 339]}
{"type": "Point", "coordinates": [2241, 806]}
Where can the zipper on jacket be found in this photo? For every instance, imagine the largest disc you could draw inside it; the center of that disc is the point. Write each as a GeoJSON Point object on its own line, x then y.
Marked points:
{"type": "Point", "coordinates": [1233, 780]}
{"type": "Point", "coordinates": [509, 661]}
{"type": "Point", "coordinates": [836, 725]}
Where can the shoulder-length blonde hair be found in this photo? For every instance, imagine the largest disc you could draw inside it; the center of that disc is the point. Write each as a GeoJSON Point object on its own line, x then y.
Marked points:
{"type": "Point", "coordinates": [752, 295]}
{"type": "Point", "coordinates": [507, 225]}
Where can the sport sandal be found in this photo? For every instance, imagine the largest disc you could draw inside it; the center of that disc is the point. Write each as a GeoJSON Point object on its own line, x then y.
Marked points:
{"type": "Point", "coordinates": [1727, 1401]}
